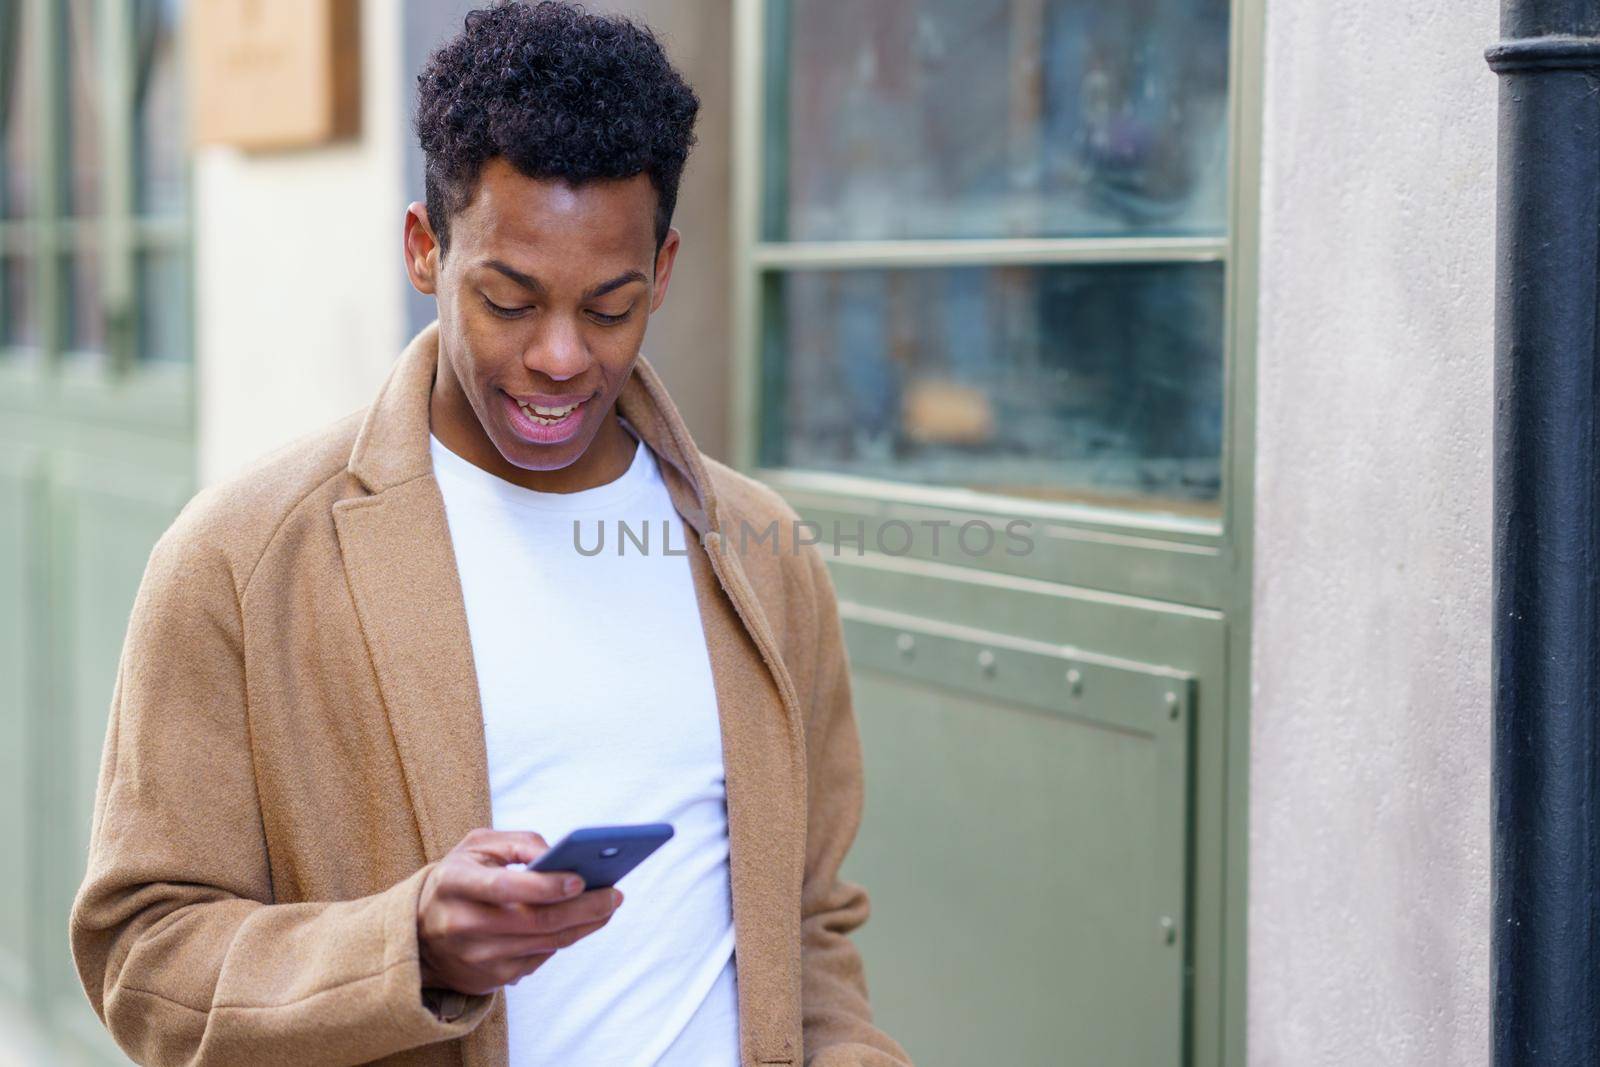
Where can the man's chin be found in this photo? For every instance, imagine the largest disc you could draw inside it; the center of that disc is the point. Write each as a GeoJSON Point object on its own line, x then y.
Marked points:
{"type": "Point", "coordinates": [531, 456]}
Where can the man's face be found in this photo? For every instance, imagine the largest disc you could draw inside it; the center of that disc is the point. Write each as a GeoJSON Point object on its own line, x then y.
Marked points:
{"type": "Point", "coordinates": [543, 299]}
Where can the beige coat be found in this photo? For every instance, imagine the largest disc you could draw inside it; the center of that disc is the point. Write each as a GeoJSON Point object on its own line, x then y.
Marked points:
{"type": "Point", "coordinates": [295, 735]}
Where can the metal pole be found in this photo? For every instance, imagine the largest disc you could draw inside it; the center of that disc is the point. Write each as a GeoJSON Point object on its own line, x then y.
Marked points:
{"type": "Point", "coordinates": [1544, 971]}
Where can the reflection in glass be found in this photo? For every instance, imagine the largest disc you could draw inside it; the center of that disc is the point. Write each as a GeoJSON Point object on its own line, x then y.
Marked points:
{"type": "Point", "coordinates": [19, 322]}
{"type": "Point", "coordinates": [19, 111]}
{"type": "Point", "coordinates": [1100, 384]}
{"type": "Point", "coordinates": [83, 105]}
{"type": "Point", "coordinates": [163, 292]}
{"type": "Point", "coordinates": [86, 325]}
{"type": "Point", "coordinates": [999, 118]}
{"type": "Point", "coordinates": [158, 141]}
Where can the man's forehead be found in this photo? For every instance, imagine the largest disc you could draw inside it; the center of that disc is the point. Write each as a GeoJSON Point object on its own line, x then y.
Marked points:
{"type": "Point", "coordinates": [512, 205]}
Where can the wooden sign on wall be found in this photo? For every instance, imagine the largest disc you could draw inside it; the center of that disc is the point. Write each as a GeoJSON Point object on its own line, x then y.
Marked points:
{"type": "Point", "coordinates": [275, 73]}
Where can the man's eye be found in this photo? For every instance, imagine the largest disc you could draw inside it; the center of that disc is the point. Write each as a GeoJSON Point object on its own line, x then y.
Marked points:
{"type": "Point", "coordinates": [608, 320]}
{"type": "Point", "coordinates": [503, 312]}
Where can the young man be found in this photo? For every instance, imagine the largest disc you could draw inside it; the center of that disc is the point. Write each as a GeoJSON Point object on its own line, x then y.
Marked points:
{"type": "Point", "coordinates": [347, 664]}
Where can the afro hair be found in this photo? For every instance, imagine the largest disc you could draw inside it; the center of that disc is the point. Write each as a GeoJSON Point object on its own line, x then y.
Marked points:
{"type": "Point", "coordinates": [560, 93]}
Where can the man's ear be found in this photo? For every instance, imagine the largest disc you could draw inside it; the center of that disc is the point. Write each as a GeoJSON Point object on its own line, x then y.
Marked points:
{"type": "Point", "coordinates": [664, 260]}
{"type": "Point", "coordinates": [421, 249]}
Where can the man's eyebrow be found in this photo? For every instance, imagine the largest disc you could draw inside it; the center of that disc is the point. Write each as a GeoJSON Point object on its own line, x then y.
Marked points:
{"type": "Point", "coordinates": [625, 278]}
{"type": "Point", "coordinates": [527, 281]}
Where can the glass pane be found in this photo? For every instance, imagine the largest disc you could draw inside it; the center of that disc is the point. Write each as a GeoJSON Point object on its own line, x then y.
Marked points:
{"type": "Point", "coordinates": [163, 306]}
{"type": "Point", "coordinates": [83, 106]}
{"type": "Point", "coordinates": [998, 118]}
{"type": "Point", "coordinates": [1098, 384]}
{"type": "Point", "coordinates": [18, 82]}
{"type": "Point", "coordinates": [159, 142]}
{"type": "Point", "coordinates": [19, 317]}
{"type": "Point", "coordinates": [86, 326]}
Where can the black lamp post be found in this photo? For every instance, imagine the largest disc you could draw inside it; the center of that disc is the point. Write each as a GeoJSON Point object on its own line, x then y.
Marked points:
{"type": "Point", "coordinates": [1544, 970]}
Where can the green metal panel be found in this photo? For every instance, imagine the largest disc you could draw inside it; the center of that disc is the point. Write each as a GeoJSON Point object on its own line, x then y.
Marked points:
{"type": "Point", "coordinates": [985, 654]}
{"type": "Point", "coordinates": [1120, 554]}
{"type": "Point", "coordinates": [1220, 1019]}
{"type": "Point", "coordinates": [1028, 890]}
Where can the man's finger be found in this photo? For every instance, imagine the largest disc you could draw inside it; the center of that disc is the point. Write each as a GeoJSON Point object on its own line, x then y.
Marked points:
{"type": "Point", "coordinates": [488, 952]}
{"type": "Point", "coordinates": [505, 885]}
{"type": "Point", "coordinates": [506, 846]}
{"type": "Point", "coordinates": [528, 920]}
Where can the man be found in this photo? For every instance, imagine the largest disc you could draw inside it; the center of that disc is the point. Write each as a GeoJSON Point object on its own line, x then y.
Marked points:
{"type": "Point", "coordinates": [347, 664]}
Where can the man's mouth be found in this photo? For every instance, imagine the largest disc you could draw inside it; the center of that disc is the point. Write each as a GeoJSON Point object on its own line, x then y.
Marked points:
{"type": "Point", "coordinates": [545, 419]}
{"type": "Point", "coordinates": [548, 416]}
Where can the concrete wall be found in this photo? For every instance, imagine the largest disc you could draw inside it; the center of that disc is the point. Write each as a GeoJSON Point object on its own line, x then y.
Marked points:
{"type": "Point", "coordinates": [1369, 815]}
{"type": "Point", "coordinates": [299, 274]}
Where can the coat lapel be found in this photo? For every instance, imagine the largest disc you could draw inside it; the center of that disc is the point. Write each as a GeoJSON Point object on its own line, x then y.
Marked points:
{"type": "Point", "coordinates": [764, 780]}
{"type": "Point", "coordinates": [763, 746]}
{"type": "Point", "coordinates": [400, 564]}
{"type": "Point", "coordinates": [402, 572]}
{"type": "Point", "coordinates": [401, 567]}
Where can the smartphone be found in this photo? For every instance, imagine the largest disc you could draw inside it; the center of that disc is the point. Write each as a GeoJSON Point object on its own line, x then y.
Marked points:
{"type": "Point", "coordinates": [601, 855]}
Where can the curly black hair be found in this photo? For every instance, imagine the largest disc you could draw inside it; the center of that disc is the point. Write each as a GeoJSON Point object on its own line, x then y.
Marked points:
{"type": "Point", "coordinates": [560, 93]}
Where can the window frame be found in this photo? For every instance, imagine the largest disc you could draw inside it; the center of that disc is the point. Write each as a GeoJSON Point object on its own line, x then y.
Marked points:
{"type": "Point", "coordinates": [114, 387]}
{"type": "Point", "coordinates": [1191, 559]}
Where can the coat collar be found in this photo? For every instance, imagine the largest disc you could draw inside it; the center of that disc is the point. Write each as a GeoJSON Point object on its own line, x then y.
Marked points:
{"type": "Point", "coordinates": [392, 445]}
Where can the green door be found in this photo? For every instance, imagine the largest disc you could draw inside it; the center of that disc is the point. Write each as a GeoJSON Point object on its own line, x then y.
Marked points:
{"type": "Point", "coordinates": [995, 275]}
{"type": "Point", "coordinates": [96, 417]}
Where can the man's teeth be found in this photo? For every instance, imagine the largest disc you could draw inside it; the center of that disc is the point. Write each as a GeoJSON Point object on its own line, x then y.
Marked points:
{"type": "Point", "coordinates": [542, 414]}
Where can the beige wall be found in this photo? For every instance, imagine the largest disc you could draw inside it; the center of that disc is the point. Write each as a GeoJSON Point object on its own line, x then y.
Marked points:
{"type": "Point", "coordinates": [299, 273]}
{"type": "Point", "coordinates": [1369, 815]}
{"type": "Point", "coordinates": [689, 338]}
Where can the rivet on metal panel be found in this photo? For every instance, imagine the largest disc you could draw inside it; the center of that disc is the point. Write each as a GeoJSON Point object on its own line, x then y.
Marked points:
{"type": "Point", "coordinates": [907, 646]}
{"type": "Point", "coordinates": [986, 663]}
{"type": "Point", "coordinates": [1169, 930]}
{"type": "Point", "coordinates": [1074, 681]}
{"type": "Point", "coordinates": [1173, 705]}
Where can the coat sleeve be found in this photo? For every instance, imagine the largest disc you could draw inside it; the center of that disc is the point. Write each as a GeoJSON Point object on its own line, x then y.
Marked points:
{"type": "Point", "coordinates": [836, 1017]}
{"type": "Point", "coordinates": [174, 932]}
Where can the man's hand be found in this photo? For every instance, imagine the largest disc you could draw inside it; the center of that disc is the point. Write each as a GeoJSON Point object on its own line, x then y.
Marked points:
{"type": "Point", "coordinates": [481, 925]}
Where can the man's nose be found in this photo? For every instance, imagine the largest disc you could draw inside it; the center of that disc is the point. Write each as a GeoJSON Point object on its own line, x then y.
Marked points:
{"type": "Point", "coordinates": [558, 352]}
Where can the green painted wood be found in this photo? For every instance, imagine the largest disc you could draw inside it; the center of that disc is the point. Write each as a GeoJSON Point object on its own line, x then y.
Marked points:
{"type": "Point", "coordinates": [99, 457]}
{"type": "Point", "coordinates": [106, 516]}
{"type": "Point", "coordinates": [79, 522]}
{"type": "Point", "coordinates": [19, 654]}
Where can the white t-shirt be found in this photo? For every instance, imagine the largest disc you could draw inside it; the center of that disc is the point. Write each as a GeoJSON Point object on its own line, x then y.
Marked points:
{"type": "Point", "coordinates": [599, 708]}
